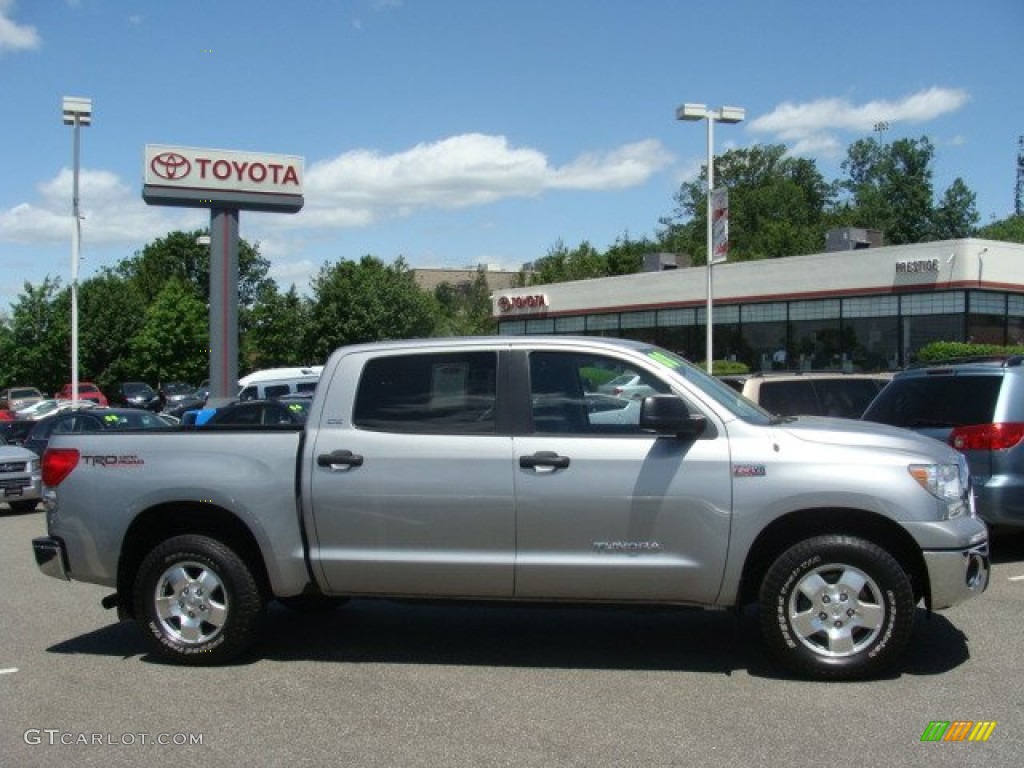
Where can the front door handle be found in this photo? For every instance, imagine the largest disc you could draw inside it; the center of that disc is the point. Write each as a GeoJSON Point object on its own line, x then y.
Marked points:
{"type": "Point", "coordinates": [338, 459]}
{"type": "Point", "coordinates": [547, 459]}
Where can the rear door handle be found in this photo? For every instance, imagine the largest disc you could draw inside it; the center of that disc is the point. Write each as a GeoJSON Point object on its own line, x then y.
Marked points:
{"type": "Point", "coordinates": [339, 459]}
{"type": "Point", "coordinates": [544, 459]}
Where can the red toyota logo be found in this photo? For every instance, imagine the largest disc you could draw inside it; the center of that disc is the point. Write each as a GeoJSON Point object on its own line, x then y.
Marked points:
{"type": "Point", "coordinates": [170, 166]}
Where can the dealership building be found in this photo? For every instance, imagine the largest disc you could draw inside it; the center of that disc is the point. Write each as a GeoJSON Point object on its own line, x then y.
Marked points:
{"type": "Point", "coordinates": [857, 306]}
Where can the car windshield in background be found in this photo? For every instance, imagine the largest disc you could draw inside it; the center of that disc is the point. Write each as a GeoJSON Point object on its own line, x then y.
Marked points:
{"type": "Point", "coordinates": [940, 401]}
{"type": "Point", "coordinates": [130, 420]}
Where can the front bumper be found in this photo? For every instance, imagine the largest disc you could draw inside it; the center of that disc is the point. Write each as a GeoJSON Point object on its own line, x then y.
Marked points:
{"type": "Point", "coordinates": [957, 575]}
{"type": "Point", "coordinates": [51, 557]}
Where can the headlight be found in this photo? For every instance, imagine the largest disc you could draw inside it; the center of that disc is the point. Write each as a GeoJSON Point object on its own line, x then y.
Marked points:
{"type": "Point", "coordinates": [943, 481]}
{"type": "Point", "coordinates": [33, 466]}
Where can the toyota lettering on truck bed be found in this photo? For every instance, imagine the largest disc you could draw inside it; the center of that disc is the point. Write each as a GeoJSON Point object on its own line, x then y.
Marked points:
{"type": "Point", "coordinates": [500, 469]}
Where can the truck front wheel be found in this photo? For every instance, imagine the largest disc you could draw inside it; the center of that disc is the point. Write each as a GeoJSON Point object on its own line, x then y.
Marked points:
{"type": "Point", "coordinates": [836, 607]}
{"type": "Point", "coordinates": [197, 599]}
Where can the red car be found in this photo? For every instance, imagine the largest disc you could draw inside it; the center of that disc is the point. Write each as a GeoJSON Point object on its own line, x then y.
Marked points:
{"type": "Point", "coordinates": [86, 391]}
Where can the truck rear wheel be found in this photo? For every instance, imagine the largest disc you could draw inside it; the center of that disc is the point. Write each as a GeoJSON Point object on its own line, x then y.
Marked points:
{"type": "Point", "coordinates": [836, 607]}
{"type": "Point", "coordinates": [198, 600]}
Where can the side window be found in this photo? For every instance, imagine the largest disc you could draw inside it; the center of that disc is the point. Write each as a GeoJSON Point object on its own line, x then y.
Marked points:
{"type": "Point", "coordinates": [249, 393]}
{"type": "Point", "coordinates": [573, 393]}
{"type": "Point", "coordinates": [306, 386]}
{"type": "Point", "coordinates": [276, 390]}
{"type": "Point", "coordinates": [440, 393]}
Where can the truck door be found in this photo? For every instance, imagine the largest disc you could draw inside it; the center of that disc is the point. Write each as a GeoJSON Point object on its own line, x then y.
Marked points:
{"type": "Point", "coordinates": [412, 492]}
{"type": "Point", "coordinates": [604, 510]}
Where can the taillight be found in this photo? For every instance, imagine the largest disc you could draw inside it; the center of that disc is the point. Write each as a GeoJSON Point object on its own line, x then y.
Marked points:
{"type": "Point", "coordinates": [986, 437]}
{"type": "Point", "coordinates": [57, 465]}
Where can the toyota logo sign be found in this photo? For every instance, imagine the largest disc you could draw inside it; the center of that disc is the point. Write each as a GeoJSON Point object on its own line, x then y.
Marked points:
{"type": "Point", "coordinates": [170, 166]}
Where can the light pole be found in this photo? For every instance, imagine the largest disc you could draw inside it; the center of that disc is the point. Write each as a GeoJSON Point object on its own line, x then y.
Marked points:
{"type": "Point", "coordinates": [693, 112]}
{"type": "Point", "coordinates": [77, 112]}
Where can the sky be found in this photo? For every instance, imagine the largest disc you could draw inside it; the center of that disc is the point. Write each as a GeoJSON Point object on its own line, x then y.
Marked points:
{"type": "Point", "coordinates": [453, 133]}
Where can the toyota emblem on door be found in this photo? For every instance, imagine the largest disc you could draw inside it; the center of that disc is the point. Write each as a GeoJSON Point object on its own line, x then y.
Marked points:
{"type": "Point", "coordinates": [170, 166]}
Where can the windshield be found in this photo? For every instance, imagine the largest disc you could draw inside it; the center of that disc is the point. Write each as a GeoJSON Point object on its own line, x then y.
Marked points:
{"type": "Point", "coordinates": [718, 391]}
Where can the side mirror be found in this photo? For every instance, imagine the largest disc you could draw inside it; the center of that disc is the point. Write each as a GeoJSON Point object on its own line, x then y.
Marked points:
{"type": "Point", "coordinates": [668, 415]}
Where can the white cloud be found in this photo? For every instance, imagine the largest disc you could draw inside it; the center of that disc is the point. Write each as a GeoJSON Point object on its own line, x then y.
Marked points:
{"type": "Point", "coordinates": [112, 213]}
{"type": "Point", "coordinates": [15, 37]}
{"type": "Point", "coordinates": [353, 190]}
{"type": "Point", "coordinates": [810, 127]}
{"type": "Point", "coordinates": [363, 186]}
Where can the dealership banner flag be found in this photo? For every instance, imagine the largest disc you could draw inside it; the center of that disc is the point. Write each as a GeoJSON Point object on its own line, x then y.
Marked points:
{"type": "Point", "coordinates": [719, 225]}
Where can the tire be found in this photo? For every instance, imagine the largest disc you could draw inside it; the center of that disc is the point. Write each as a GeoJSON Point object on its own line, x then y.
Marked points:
{"type": "Point", "coordinates": [836, 608]}
{"type": "Point", "coordinates": [23, 507]}
{"type": "Point", "coordinates": [198, 601]}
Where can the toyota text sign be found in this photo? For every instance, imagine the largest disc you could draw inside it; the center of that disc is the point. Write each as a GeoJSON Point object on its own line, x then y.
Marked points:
{"type": "Point", "coordinates": [222, 179]}
{"type": "Point", "coordinates": [222, 170]}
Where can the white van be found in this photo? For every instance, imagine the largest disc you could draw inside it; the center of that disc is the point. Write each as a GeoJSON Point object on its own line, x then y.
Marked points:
{"type": "Point", "coordinates": [277, 382]}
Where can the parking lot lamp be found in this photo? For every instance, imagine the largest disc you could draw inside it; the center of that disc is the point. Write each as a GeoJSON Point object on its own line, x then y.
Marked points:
{"type": "Point", "coordinates": [77, 112]}
{"type": "Point", "coordinates": [693, 112]}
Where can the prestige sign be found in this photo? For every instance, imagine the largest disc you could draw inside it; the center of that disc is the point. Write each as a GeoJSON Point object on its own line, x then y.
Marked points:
{"type": "Point", "coordinates": [189, 176]}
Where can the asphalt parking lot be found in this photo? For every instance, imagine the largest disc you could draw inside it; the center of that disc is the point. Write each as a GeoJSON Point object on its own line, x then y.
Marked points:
{"type": "Point", "coordinates": [398, 684]}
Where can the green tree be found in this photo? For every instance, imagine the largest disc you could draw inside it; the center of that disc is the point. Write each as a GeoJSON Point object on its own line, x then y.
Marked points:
{"type": "Point", "coordinates": [890, 188]}
{"type": "Point", "coordinates": [561, 264]}
{"type": "Point", "coordinates": [278, 331]}
{"type": "Point", "coordinates": [626, 256]}
{"type": "Point", "coordinates": [956, 215]}
{"type": "Point", "coordinates": [367, 301]}
{"type": "Point", "coordinates": [173, 342]}
{"type": "Point", "coordinates": [465, 309]}
{"type": "Point", "coordinates": [109, 308]}
{"type": "Point", "coordinates": [777, 206]}
{"type": "Point", "coordinates": [178, 255]}
{"type": "Point", "coordinates": [39, 337]}
{"type": "Point", "coordinates": [1010, 229]}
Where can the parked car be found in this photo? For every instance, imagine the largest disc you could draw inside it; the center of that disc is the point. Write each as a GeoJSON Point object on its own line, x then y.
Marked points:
{"type": "Point", "coordinates": [810, 393]}
{"type": "Point", "coordinates": [86, 391]}
{"type": "Point", "coordinates": [16, 398]}
{"type": "Point", "coordinates": [289, 410]}
{"type": "Point", "coordinates": [628, 385]}
{"type": "Point", "coordinates": [20, 478]}
{"type": "Point", "coordinates": [176, 392]}
{"type": "Point", "coordinates": [978, 408]}
{"type": "Point", "coordinates": [15, 432]}
{"type": "Point", "coordinates": [191, 402]}
{"type": "Point", "coordinates": [90, 420]}
{"type": "Point", "coordinates": [50, 406]}
{"type": "Point", "coordinates": [135, 394]}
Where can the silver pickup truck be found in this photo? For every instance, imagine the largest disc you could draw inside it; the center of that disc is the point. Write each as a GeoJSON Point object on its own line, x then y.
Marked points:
{"type": "Point", "coordinates": [498, 469]}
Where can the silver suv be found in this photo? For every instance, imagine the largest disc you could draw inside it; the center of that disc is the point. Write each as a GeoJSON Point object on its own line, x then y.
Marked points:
{"type": "Point", "coordinates": [978, 408]}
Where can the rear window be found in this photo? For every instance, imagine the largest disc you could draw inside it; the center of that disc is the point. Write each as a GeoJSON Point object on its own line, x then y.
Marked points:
{"type": "Point", "coordinates": [924, 401]}
{"type": "Point", "coordinates": [788, 398]}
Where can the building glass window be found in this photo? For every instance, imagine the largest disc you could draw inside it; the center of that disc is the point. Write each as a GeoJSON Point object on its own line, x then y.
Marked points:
{"type": "Point", "coordinates": [512, 328]}
{"type": "Point", "coordinates": [933, 303]}
{"type": "Point", "coordinates": [986, 323]}
{"type": "Point", "coordinates": [577, 324]}
{"type": "Point", "coordinates": [762, 313]}
{"type": "Point", "coordinates": [672, 317]}
{"type": "Point", "coordinates": [541, 325]}
{"type": "Point", "coordinates": [872, 343]}
{"type": "Point", "coordinates": [871, 306]}
{"type": "Point", "coordinates": [639, 319]}
{"type": "Point", "coordinates": [607, 322]}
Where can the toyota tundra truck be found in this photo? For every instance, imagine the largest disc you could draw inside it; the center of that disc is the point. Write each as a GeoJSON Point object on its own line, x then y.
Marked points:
{"type": "Point", "coordinates": [496, 469]}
